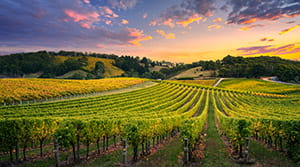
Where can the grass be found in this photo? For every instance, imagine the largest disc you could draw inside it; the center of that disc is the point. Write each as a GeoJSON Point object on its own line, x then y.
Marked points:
{"type": "Point", "coordinates": [215, 152]}
{"type": "Point", "coordinates": [265, 157]}
{"type": "Point", "coordinates": [167, 156]}
{"type": "Point", "coordinates": [259, 86]}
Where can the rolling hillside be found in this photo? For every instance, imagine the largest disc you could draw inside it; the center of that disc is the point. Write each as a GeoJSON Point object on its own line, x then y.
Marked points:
{"type": "Point", "coordinates": [110, 70]}
{"type": "Point", "coordinates": [193, 73]}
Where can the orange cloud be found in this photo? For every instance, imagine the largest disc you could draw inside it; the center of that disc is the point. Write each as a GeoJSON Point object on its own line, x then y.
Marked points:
{"type": "Point", "coordinates": [189, 20]}
{"type": "Point", "coordinates": [250, 27]}
{"type": "Point", "coordinates": [108, 22]}
{"type": "Point", "coordinates": [138, 36]}
{"type": "Point", "coordinates": [87, 1]}
{"type": "Point", "coordinates": [217, 20]}
{"type": "Point", "coordinates": [124, 21]}
{"type": "Point", "coordinates": [214, 26]}
{"type": "Point", "coordinates": [165, 35]}
{"type": "Point", "coordinates": [289, 29]}
{"type": "Point", "coordinates": [249, 21]}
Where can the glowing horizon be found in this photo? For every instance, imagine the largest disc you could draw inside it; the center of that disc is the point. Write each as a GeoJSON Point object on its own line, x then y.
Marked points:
{"type": "Point", "coordinates": [174, 30]}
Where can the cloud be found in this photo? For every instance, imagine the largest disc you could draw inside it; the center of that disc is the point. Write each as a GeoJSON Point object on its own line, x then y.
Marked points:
{"type": "Point", "coordinates": [107, 12]}
{"type": "Point", "coordinates": [185, 23]}
{"type": "Point", "coordinates": [250, 11]}
{"type": "Point", "coordinates": [266, 39]}
{"type": "Point", "coordinates": [290, 22]}
{"type": "Point", "coordinates": [165, 35]}
{"type": "Point", "coordinates": [270, 49]}
{"type": "Point", "coordinates": [289, 29]}
{"type": "Point", "coordinates": [85, 19]}
{"type": "Point", "coordinates": [67, 24]}
{"type": "Point", "coordinates": [213, 27]}
{"type": "Point", "coordinates": [124, 21]}
{"type": "Point", "coordinates": [123, 4]}
{"type": "Point", "coordinates": [186, 10]}
{"type": "Point", "coordinates": [217, 20]}
{"type": "Point", "coordinates": [86, 1]}
{"type": "Point", "coordinates": [145, 15]}
{"type": "Point", "coordinates": [100, 46]}
{"type": "Point", "coordinates": [250, 27]}
{"type": "Point", "coordinates": [138, 36]}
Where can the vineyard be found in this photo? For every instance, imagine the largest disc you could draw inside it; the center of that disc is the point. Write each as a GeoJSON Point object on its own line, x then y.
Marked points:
{"type": "Point", "coordinates": [13, 91]}
{"type": "Point", "coordinates": [69, 131]}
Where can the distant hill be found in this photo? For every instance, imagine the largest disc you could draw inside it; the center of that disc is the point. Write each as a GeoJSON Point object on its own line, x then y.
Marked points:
{"type": "Point", "coordinates": [109, 69]}
{"type": "Point", "coordinates": [196, 73]}
{"type": "Point", "coordinates": [48, 65]}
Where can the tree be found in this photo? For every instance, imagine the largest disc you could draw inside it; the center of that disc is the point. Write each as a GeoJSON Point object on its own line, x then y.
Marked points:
{"type": "Point", "coordinates": [99, 69]}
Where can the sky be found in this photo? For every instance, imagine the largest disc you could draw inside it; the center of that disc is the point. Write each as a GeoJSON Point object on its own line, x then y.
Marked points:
{"type": "Point", "coordinates": [172, 30]}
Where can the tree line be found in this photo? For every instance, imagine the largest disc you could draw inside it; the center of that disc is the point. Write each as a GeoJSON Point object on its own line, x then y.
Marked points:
{"type": "Point", "coordinates": [19, 64]}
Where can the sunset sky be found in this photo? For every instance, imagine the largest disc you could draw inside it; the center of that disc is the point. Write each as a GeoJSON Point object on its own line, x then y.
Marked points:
{"type": "Point", "coordinates": [172, 30]}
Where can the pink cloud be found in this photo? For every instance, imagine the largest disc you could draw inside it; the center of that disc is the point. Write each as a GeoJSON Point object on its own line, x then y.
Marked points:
{"type": "Point", "coordinates": [100, 46]}
{"type": "Point", "coordinates": [85, 19]}
{"type": "Point", "coordinates": [107, 12]}
{"type": "Point", "coordinates": [153, 23]}
{"type": "Point", "coordinates": [145, 15]}
{"type": "Point", "coordinates": [168, 22]}
{"type": "Point", "coordinates": [86, 1]}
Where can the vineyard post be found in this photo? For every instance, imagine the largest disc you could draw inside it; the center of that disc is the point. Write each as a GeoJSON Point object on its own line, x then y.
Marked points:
{"type": "Point", "coordinates": [56, 151]}
{"type": "Point", "coordinates": [246, 157]}
{"type": "Point", "coordinates": [186, 150]}
{"type": "Point", "coordinates": [124, 151]}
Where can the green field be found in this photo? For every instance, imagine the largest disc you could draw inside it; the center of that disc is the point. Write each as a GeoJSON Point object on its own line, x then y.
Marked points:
{"type": "Point", "coordinates": [155, 120]}
{"type": "Point", "coordinates": [259, 86]}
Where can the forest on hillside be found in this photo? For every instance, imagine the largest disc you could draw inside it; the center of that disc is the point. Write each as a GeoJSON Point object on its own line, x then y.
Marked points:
{"type": "Point", "coordinates": [19, 64]}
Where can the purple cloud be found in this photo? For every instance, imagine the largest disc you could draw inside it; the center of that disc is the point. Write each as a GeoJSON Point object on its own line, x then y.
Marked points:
{"type": "Point", "coordinates": [56, 23]}
{"type": "Point", "coordinates": [270, 49]}
{"type": "Point", "coordinates": [249, 11]}
{"type": "Point", "coordinates": [122, 4]}
{"type": "Point", "coordinates": [186, 10]}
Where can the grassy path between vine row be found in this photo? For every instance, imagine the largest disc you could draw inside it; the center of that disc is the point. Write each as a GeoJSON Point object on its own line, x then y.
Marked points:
{"type": "Point", "coordinates": [215, 152]}
{"type": "Point", "coordinates": [167, 156]}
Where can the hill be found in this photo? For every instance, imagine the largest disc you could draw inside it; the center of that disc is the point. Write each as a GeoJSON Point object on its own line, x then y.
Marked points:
{"type": "Point", "coordinates": [109, 69]}
{"type": "Point", "coordinates": [58, 65]}
{"type": "Point", "coordinates": [195, 73]}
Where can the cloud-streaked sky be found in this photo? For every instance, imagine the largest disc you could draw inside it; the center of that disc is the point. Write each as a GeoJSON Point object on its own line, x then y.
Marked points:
{"type": "Point", "coordinates": [173, 30]}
